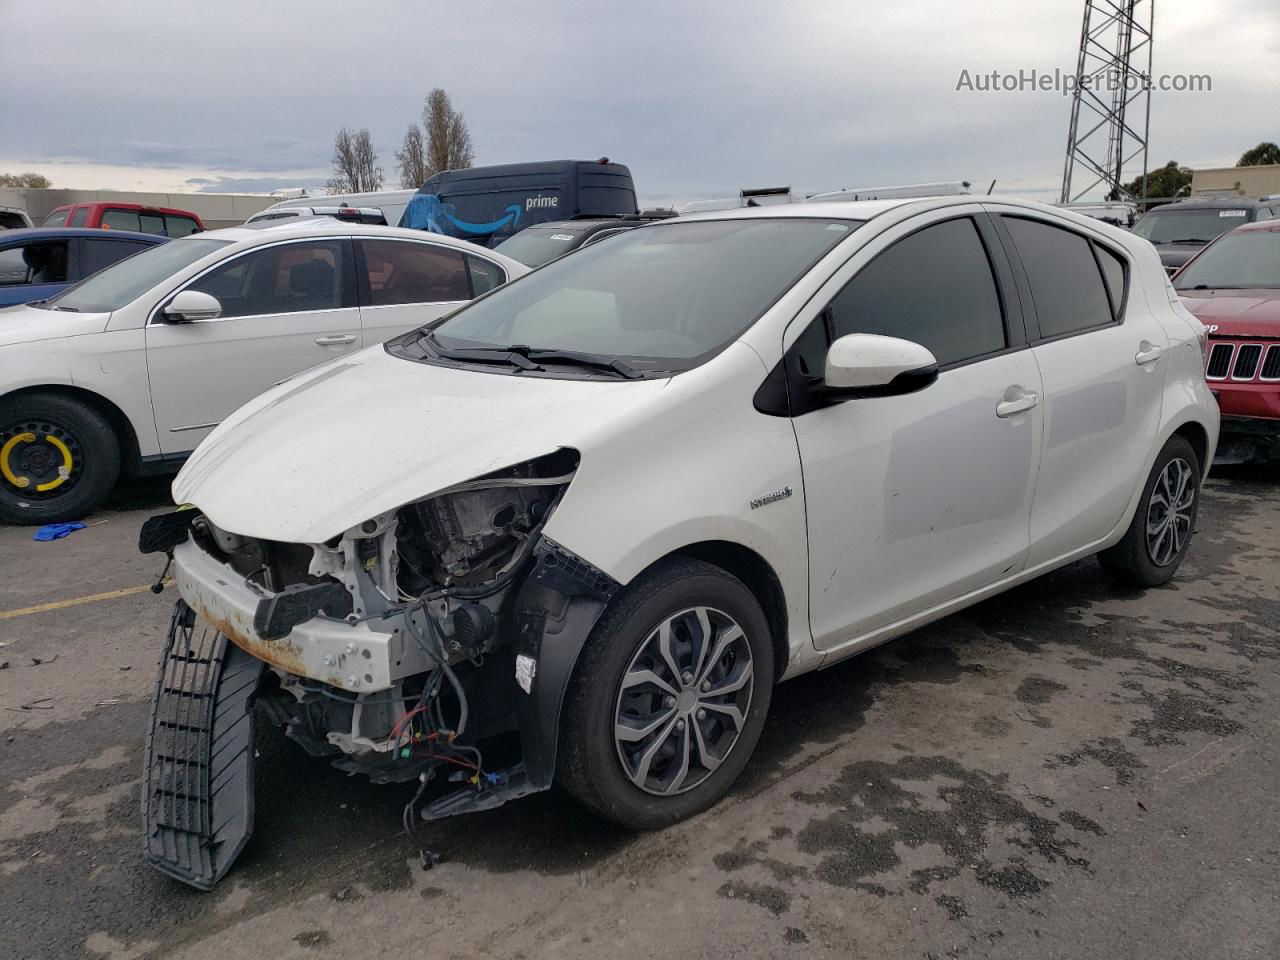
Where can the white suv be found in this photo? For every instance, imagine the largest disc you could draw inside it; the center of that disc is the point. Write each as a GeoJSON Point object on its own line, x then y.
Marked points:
{"type": "Point", "coordinates": [128, 370]}
{"type": "Point", "coordinates": [623, 496]}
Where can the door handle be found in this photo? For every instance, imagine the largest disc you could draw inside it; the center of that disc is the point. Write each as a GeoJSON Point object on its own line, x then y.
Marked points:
{"type": "Point", "coordinates": [336, 340]}
{"type": "Point", "coordinates": [1148, 352]}
{"type": "Point", "coordinates": [1016, 400]}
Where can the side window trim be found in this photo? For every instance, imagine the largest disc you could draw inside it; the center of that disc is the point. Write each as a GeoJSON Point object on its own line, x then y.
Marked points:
{"type": "Point", "coordinates": [1034, 334]}
{"type": "Point", "coordinates": [1015, 339]}
{"type": "Point", "coordinates": [1117, 309]}
{"type": "Point", "coordinates": [348, 269]}
{"type": "Point", "coordinates": [468, 257]}
{"type": "Point", "coordinates": [781, 395]}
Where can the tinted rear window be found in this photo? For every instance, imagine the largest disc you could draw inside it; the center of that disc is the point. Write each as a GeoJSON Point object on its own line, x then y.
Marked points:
{"type": "Point", "coordinates": [536, 246]}
{"type": "Point", "coordinates": [1066, 284]}
{"type": "Point", "coordinates": [176, 226]}
{"type": "Point", "coordinates": [121, 220]}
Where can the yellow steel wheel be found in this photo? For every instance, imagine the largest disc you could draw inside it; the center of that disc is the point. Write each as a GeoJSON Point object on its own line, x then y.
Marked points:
{"type": "Point", "coordinates": [38, 460]}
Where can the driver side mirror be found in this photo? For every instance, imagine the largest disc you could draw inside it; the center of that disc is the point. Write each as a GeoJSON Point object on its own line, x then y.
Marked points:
{"type": "Point", "coordinates": [869, 365]}
{"type": "Point", "coordinates": [190, 306]}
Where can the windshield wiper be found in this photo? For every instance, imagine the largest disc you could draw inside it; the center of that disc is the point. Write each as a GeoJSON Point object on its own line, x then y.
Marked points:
{"type": "Point", "coordinates": [598, 361]}
{"type": "Point", "coordinates": [1188, 240]}
{"type": "Point", "coordinates": [479, 354]}
{"type": "Point", "coordinates": [524, 357]}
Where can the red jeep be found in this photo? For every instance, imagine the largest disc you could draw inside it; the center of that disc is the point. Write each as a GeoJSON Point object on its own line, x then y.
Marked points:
{"type": "Point", "coordinates": [125, 216]}
{"type": "Point", "coordinates": [1233, 287]}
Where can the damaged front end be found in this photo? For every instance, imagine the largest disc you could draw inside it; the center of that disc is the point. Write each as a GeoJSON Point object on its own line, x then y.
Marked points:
{"type": "Point", "coordinates": [402, 649]}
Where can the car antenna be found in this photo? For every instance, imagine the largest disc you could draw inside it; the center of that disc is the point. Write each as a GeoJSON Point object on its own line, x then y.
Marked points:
{"type": "Point", "coordinates": [990, 188]}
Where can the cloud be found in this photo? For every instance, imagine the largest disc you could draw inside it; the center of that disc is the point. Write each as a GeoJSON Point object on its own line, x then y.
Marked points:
{"type": "Point", "coordinates": [698, 99]}
{"type": "Point", "coordinates": [253, 184]}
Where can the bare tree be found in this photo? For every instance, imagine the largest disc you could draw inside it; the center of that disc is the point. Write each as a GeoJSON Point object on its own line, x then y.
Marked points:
{"type": "Point", "coordinates": [355, 168]}
{"type": "Point", "coordinates": [411, 158]}
{"type": "Point", "coordinates": [35, 180]}
{"type": "Point", "coordinates": [448, 140]}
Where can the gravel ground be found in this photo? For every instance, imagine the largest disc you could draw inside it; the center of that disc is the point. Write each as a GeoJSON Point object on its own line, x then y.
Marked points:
{"type": "Point", "coordinates": [1069, 770]}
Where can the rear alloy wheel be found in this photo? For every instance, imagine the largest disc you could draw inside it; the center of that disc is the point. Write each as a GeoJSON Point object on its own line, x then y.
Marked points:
{"type": "Point", "coordinates": [1160, 534]}
{"type": "Point", "coordinates": [669, 696]}
{"type": "Point", "coordinates": [58, 459]}
{"type": "Point", "coordinates": [1170, 512]}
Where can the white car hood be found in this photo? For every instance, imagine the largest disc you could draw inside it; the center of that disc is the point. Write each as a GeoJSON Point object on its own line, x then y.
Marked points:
{"type": "Point", "coordinates": [24, 324]}
{"type": "Point", "coordinates": [346, 441]}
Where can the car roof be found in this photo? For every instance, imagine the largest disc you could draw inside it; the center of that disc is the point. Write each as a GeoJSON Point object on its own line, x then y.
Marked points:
{"type": "Point", "coordinates": [303, 228]}
{"type": "Point", "coordinates": [1209, 203]}
{"type": "Point", "coordinates": [96, 233]}
{"type": "Point", "coordinates": [1258, 226]}
{"type": "Point", "coordinates": [117, 205]}
{"type": "Point", "coordinates": [338, 199]}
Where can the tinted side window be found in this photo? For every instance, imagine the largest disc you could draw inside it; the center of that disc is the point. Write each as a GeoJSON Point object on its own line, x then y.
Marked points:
{"type": "Point", "coordinates": [121, 219]}
{"type": "Point", "coordinates": [78, 218]}
{"type": "Point", "coordinates": [1066, 284]}
{"type": "Point", "coordinates": [97, 255]}
{"type": "Point", "coordinates": [409, 272]}
{"type": "Point", "coordinates": [289, 278]}
{"type": "Point", "coordinates": [934, 287]}
{"type": "Point", "coordinates": [179, 226]}
{"type": "Point", "coordinates": [485, 275]}
{"type": "Point", "coordinates": [151, 223]}
{"type": "Point", "coordinates": [44, 262]}
{"type": "Point", "coordinates": [1114, 272]}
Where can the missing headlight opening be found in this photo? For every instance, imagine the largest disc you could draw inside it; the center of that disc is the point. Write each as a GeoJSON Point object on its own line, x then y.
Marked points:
{"type": "Point", "coordinates": [391, 649]}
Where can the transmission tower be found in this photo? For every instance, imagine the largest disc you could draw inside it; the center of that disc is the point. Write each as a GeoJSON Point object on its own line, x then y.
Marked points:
{"type": "Point", "coordinates": [1111, 102]}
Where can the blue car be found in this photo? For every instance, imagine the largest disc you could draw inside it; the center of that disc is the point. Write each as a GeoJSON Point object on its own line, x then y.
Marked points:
{"type": "Point", "coordinates": [36, 263]}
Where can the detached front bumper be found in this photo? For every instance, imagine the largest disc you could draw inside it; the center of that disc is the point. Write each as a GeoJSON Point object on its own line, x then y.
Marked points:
{"type": "Point", "coordinates": [362, 657]}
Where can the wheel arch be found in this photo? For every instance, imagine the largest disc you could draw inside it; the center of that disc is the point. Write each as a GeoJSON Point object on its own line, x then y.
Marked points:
{"type": "Point", "coordinates": [1194, 432]}
{"type": "Point", "coordinates": [758, 575]}
{"type": "Point", "coordinates": [130, 453]}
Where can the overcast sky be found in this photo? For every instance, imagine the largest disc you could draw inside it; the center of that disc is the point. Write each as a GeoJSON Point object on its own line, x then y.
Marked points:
{"type": "Point", "coordinates": [698, 98]}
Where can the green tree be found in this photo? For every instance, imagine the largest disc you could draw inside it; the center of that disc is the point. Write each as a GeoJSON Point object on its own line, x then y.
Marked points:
{"type": "Point", "coordinates": [34, 180]}
{"type": "Point", "coordinates": [1263, 153]}
{"type": "Point", "coordinates": [1170, 181]}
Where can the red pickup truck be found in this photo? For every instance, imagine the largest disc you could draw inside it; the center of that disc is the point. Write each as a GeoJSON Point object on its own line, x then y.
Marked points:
{"type": "Point", "coordinates": [1233, 287]}
{"type": "Point", "coordinates": [125, 216]}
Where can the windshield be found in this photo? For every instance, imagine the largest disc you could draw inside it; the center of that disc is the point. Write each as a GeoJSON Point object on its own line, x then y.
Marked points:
{"type": "Point", "coordinates": [1249, 259]}
{"type": "Point", "coordinates": [1188, 226]}
{"type": "Point", "coordinates": [124, 282]}
{"type": "Point", "coordinates": [662, 297]}
{"type": "Point", "coordinates": [536, 246]}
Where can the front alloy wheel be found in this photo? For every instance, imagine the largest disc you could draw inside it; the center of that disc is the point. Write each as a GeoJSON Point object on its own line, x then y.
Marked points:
{"type": "Point", "coordinates": [669, 696]}
{"type": "Point", "coordinates": [683, 701]}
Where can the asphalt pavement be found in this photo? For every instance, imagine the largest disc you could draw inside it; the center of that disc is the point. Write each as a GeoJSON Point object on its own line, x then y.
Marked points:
{"type": "Point", "coordinates": [1070, 770]}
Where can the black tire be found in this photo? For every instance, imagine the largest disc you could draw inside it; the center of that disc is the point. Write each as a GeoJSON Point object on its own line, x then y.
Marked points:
{"type": "Point", "coordinates": [590, 762]}
{"type": "Point", "coordinates": [1134, 560]}
{"type": "Point", "coordinates": [64, 429]}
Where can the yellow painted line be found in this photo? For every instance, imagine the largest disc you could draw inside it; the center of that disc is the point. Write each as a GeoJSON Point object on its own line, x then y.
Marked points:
{"type": "Point", "coordinates": [74, 602]}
